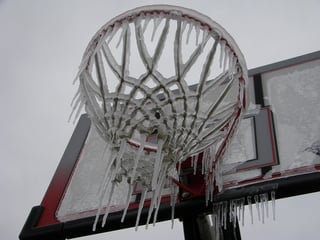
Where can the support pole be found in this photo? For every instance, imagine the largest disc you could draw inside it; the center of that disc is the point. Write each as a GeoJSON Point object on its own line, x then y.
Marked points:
{"type": "Point", "coordinates": [202, 228]}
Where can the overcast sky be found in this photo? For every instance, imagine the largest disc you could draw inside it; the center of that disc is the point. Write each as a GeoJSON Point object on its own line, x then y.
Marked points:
{"type": "Point", "coordinates": [41, 46]}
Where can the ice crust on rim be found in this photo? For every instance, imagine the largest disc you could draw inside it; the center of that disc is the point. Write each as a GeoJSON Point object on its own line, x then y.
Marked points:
{"type": "Point", "coordinates": [160, 84]}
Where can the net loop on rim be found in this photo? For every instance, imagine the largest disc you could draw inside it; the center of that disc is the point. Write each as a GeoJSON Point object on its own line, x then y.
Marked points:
{"type": "Point", "coordinates": [160, 84]}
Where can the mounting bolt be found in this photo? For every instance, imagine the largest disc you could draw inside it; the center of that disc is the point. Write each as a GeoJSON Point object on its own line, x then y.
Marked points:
{"type": "Point", "coordinates": [185, 195]}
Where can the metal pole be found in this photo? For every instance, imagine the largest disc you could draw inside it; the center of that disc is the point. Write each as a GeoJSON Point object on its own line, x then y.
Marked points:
{"type": "Point", "coordinates": [202, 227]}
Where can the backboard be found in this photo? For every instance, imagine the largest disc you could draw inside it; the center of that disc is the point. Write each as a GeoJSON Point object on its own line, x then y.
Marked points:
{"type": "Point", "coordinates": [277, 149]}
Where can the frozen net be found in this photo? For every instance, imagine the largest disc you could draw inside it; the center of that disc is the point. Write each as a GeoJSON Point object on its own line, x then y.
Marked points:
{"type": "Point", "coordinates": [160, 84]}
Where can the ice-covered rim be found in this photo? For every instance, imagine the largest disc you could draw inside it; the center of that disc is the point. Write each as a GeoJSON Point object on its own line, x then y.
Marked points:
{"type": "Point", "coordinates": [132, 14]}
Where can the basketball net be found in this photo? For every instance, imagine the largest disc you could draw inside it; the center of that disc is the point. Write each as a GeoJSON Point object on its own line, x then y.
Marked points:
{"type": "Point", "coordinates": [161, 84]}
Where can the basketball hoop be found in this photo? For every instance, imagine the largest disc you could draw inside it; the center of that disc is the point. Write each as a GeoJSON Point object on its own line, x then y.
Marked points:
{"type": "Point", "coordinates": [161, 84]}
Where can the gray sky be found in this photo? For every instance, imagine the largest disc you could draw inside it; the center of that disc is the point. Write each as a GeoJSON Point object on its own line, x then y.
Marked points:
{"type": "Point", "coordinates": [41, 46]}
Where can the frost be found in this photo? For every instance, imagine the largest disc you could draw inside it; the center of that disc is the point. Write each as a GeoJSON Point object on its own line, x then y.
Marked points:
{"type": "Point", "coordinates": [299, 129]}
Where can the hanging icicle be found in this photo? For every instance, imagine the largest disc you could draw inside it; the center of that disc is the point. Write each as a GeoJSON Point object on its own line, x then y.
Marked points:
{"type": "Point", "coordinates": [234, 210]}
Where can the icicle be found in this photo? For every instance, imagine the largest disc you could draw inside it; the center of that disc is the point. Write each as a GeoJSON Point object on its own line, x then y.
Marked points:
{"type": "Point", "coordinates": [242, 210]}
{"type": "Point", "coordinates": [273, 199]}
{"type": "Point", "coordinates": [146, 22]}
{"type": "Point", "coordinates": [231, 211]}
{"type": "Point", "coordinates": [211, 186]}
{"type": "Point", "coordinates": [105, 183]}
{"type": "Point", "coordinates": [238, 210]}
{"type": "Point", "coordinates": [123, 147]}
{"type": "Point", "coordinates": [256, 199]}
{"type": "Point", "coordinates": [158, 193]}
{"type": "Point", "coordinates": [197, 28]}
{"type": "Point", "coordinates": [192, 161]}
{"type": "Point", "coordinates": [234, 214]}
{"type": "Point", "coordinates": [76, 104]}
{"type": "Point", "coordinates": [179, 167]}
{"type": "Point", "coordinates": [262, 207]}
{"type": "Point", "coordinates": [137, 159]}
{"type": "Point", "coordinates": [225, 211]}
{"type": "Point", "coordinates": [156, 23]}
{"type": "Point", "coordinates": [206, 190]}
{"type": "Point", "coordinates": [102, 196]}
{"type": "Point", "coordinates": [189, 32]}
{"type": "Point", "coordinates": [151, 207]}
{"type": "Point", "coordinates": [127, 202]}
{"type": "Point", "coordinates": [264, 203]}
{"type": "Point", "coordinates": [77, 109]}
{"type": "Point", "coordinates": [75, 98]}
{"type": "Point", "coordinates": [231, 62]}
{"type": "Point", "coordinates": [113, 31]}
{"type": "Point", "coordinates": [195, 164]}
{"type": "Point", "coordinates": [212, 155]}
{"type": "Point", "coordinates": [203, 164]}
{"type": "Point", "coordinates": [234, 63]}
{"type": "Point", "coordinates": [222, 53]}
{"type": "Point", "coordinates": [226, 55]}
{"type": "Point", "coordinates": [205, 37]}
{"type": "Point", "coordinates": [219, 219]}
{"type": "Point", "coordinates": [218, 176]}
{"type": "Point", "coordinates": [94, 227]}
{"type": "Point", "coordinates": [155, 216]}
{"type": "Point", "coordinates": [206, 160]}
{"type": "Point", "coordinates": [173, 204]}
{"type": "Point", "coordinates": [143, 197]}
{"type": "Point", "coordinates": [157, 164]}
{"type": "Point", "coordinates": [108, 205]}
{"type": "Point", "coordinates": [124, 29]}
{"type": "Point", "coordinates": [250, 208]}
{"type": "Point", "coordinates": [158, 201]}
{"type": "Point", "coordinates": [184, 25]}
{"type": "Point", "coordinates": [111, 158]}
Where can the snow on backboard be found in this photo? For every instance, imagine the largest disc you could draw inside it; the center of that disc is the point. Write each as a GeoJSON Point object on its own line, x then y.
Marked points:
{"type": "Point", "coordinates": [276, 148]}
